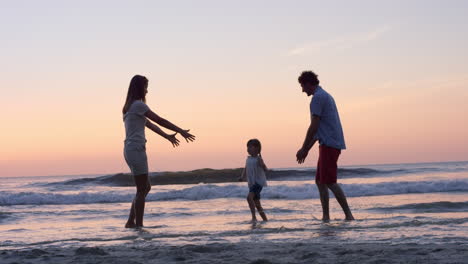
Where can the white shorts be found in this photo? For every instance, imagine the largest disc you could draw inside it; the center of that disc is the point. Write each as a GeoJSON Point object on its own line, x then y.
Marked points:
{"type": "Point", "coordinates": [135, 156]}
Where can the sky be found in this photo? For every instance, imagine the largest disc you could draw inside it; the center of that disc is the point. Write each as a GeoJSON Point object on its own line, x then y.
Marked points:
{"type": "Point", "coordinates": [227, 70]}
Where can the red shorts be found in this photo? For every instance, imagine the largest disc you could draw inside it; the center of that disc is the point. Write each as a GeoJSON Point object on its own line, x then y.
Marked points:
{"type": "Point", "coordinates": [327, 167]}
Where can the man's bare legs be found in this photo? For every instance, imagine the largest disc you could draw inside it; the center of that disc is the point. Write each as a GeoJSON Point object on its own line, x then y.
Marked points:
{"type": "Point", "coordinates": [137, 209]}
{"type": "Point", "coordinates": [340, 197]}
{"type": "Point", "coordinates": [324, 200]}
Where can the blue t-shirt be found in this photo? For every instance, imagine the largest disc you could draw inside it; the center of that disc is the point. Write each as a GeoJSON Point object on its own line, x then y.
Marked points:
{"type": "Point", "coordinates": [330, 132]}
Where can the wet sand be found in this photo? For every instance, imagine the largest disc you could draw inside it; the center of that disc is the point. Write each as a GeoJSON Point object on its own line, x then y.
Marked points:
{"type": "Point", "coordinates": [253, 253]}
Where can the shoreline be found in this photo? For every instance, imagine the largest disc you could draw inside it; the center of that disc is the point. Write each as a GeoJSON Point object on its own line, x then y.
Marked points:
{"type": "Point", "coordinates": [245, 252]}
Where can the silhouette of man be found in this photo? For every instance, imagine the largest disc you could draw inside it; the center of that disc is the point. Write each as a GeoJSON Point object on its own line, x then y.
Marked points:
{"type": "Point", "coordinates": [325, 127]}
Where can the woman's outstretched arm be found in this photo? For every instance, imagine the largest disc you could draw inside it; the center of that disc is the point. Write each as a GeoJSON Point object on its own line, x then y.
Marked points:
{"type": "Point", "coordinates": [172, 138]}
{"type": "Point", "coordinates": [167, 124]}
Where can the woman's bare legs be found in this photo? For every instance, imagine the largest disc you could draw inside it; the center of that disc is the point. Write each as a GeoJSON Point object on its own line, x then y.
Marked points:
{"type": "Point", "coordinates": [138, 205]}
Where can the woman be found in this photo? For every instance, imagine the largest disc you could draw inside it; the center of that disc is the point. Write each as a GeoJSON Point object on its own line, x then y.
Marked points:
{"type": "Point", "coordinates": [136, 114]}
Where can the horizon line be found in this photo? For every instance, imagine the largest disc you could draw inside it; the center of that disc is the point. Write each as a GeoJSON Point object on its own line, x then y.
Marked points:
{"type": "Point", "coordinates": [281, 168]}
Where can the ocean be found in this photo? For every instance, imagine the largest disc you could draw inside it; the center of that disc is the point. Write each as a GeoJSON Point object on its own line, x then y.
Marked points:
{"type": "Point", "coordinates": [424, 203]}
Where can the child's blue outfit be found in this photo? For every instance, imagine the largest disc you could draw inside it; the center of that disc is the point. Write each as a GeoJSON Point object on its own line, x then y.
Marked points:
{"type": "Point", "coordinates": [256, 178]}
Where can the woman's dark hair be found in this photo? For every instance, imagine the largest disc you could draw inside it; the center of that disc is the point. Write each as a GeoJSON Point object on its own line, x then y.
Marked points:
{"type": "Point", "coordinates": [308, 77]}
{"type": "Point", "coordinates": [136, 91]}
{"type": "Point", "coordinates": [256, 143]}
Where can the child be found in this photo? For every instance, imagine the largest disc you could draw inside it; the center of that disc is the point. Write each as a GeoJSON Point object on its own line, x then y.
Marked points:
{"type": "Point", "coordinates": [254, 171]}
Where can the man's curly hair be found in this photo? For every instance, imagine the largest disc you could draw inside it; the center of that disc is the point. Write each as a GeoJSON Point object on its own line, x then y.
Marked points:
{"type": "Point", "coordinates": [308, 77]}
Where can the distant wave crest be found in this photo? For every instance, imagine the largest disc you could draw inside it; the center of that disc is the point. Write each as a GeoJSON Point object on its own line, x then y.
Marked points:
{"type": "Point", "coordinates": [226, 175]}
{"type": "Point", "coordinates": [213, 191]}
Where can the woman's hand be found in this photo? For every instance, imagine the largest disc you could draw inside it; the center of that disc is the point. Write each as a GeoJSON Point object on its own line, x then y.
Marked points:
{"type": "Point", "coordinates": [187, 135]}
{"type": "Point", "coordinates": [174, 141]}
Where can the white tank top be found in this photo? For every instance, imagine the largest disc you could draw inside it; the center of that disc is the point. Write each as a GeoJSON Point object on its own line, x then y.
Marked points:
{"type": "Point", "coordinates": [255, 173]}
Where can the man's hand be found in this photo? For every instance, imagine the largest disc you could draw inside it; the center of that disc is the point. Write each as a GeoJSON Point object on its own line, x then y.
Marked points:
{"type": "Point", "coordinates": [301, 155]}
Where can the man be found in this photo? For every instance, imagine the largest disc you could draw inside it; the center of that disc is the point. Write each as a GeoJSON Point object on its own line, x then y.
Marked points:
{"type": "Point", "coordinates": [325, 127]}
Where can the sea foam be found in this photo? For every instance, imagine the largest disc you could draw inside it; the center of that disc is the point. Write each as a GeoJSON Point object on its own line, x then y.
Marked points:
{"type": "Point", "coordinates": [295, 191]}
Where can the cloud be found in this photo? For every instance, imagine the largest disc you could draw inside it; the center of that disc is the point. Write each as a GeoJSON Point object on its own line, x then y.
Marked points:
{"type": "Point", "coordinates": [342, 42]}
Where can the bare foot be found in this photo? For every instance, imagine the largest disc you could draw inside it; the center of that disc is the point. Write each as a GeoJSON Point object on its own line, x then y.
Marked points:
{"type": "Point", "coordinates": [349, 218]}
{"type": "Point", "coordinates": [130, 225]}
{"type": "Point", "coordinates": [253, 221]}
{"type": "Point", "coordinates": [326, 219]}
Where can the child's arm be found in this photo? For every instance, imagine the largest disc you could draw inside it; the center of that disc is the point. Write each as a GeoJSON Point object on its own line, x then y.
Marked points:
{"type": "Point", "coordinates": [261, 163]}
{"type": "Point", "coordinates": [242, 177]}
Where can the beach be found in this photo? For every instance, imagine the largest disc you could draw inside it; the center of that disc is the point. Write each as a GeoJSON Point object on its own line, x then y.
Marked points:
{"type": "Point", "coordinates": [405, 213]}
{"type": "Point", "coordinates": [169, 115]}
{"type": "Point", "coordinates": [253, 253]}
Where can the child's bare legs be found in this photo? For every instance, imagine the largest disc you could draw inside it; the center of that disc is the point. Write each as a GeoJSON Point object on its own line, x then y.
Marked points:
{"type": "Point", "coordinates": [138, 205]}
{"type": "Point", "coordinates": [260, 209]}
{"type": "Point", "coordinates": [250, 200]}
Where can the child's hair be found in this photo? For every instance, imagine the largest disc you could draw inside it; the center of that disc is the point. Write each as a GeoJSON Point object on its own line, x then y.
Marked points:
{"type": "Point", "coordinates": [256, 143]}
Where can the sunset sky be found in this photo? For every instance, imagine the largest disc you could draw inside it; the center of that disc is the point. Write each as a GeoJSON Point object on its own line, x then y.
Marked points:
{"type": "Point", "coordinates": [227, 70]}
